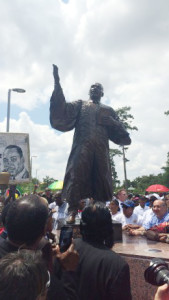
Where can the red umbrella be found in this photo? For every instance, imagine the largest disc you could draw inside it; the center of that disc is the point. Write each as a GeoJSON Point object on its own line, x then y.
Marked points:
{"type": "Point", "coordinates": [157, 188]}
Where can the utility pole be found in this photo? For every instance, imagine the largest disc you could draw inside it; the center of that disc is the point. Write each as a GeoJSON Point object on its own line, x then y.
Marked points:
{"type": "Point", "coordinates": [124, 164]}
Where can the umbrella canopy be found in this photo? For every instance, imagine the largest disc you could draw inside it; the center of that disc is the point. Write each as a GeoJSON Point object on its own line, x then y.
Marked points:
{"type": "Point", "coordinates": [157, 188]}
{"type": "Point", "coordinates": [56, 185]}
{"type": "Point", "coordinates": [131, 188]}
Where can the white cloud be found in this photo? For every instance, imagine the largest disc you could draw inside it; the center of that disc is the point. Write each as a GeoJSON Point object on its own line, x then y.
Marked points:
{"type": "Point", "coordinates": [123, 44]}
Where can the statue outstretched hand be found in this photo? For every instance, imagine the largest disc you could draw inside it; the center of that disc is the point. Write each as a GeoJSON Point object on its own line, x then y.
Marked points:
{"type": "Point", "coordinates": [55, 74]}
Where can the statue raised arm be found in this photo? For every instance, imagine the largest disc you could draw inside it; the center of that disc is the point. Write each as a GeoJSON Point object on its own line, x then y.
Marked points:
{"type": "Point", "coordinates": [88, 172]}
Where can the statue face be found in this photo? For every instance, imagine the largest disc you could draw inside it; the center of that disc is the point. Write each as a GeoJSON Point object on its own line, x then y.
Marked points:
{"type": "Point", "coordinates": [96, 92]}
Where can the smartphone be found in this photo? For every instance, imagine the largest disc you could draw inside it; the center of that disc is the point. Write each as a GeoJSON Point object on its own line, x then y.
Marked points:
{"type": "Point", "coordinates": [65, 240]}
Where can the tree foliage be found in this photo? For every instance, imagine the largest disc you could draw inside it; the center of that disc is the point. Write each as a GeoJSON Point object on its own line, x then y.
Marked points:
{"type": "Point", "coordinates": [28, 187]}
{"type": "Point", "coordinates": [112, 153]}
{"type": "Point", "coordinates": [166, 172]}
{"type": "Point", "coordinates": [47, 181]}
{"type": "Point", "coordinates": [126, 117]}
{"type": "Point", "coordinates": [141, 183]}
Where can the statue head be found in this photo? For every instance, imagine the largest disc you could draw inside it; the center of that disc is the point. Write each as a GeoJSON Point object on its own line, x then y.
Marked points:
{"type": "Point", "coordinates": [96, 92]}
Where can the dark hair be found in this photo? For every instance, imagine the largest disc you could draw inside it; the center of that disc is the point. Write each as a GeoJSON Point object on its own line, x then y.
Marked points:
{"type": "Point", "coordinates": [142, 197]}
{"type": "Point", "coordinates": [18, 149]}
{"type": "Point", "coordinates": [116, 202]}
{"type": "Point", "coordinates": [26, 219]}
{"type": "Point", "coordinates": [153, 198]}
{"type": "Point", "coordinates": [57, 195]}
{"type": "Point", "coordinates": [96, 224]}
{"type": "Point", "coordinates": [23, 275]}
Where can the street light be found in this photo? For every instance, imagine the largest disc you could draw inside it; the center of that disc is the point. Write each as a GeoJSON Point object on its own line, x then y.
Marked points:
{"type": "Point", "coordinates": [9, 102]}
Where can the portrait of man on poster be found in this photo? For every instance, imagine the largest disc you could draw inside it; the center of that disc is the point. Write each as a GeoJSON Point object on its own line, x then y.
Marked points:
{"type": "Point", "coordinates": [13, 161]}
{"type": "Point", "coordinates": [15, 156]}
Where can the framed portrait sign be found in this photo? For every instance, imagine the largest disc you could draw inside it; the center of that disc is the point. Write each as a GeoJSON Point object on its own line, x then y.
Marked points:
{"type": "Point", "coordinates": [15, 156]}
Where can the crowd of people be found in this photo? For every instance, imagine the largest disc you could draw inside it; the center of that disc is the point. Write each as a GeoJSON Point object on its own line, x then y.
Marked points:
{"type": "Point", "coordinates": [146, 215]}
{"type": "Point", "coordinates": [32, 266]}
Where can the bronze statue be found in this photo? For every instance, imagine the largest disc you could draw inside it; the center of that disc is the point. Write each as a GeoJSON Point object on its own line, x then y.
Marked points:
{"type": "Point", "coordinates": [88, 172]}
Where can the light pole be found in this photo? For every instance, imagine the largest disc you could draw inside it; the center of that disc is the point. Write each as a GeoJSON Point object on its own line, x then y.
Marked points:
{"type": "Point", "coordinates": [9, 102]}
{"type": "Point", "coordinates": [37, 175]}
{"type": "Point", "coordinates": [124, 164]}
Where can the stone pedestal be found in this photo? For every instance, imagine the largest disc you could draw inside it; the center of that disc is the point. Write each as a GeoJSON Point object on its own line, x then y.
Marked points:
{"type": "Point", "coordinates": [138, 252]}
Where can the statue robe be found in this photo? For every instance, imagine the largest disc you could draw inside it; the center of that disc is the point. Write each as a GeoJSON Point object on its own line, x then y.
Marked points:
{"type": "Point", "coordinates": [88, 172]}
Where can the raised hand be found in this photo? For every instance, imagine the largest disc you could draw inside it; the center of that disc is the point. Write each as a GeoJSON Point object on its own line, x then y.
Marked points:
{"type": "Point", "coordinates": [68, 259]}
{"type": "Point", "coordinates": [55, 74]}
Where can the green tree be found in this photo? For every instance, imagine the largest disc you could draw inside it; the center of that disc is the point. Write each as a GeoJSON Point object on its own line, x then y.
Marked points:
{"type": "Point", "coordinates": [23, 188]}
{"type": "Point", "coordinates": [126, 117]}
{"type": "Point", "coordinates": [141, 183]}
{"type": "Point", "coordinates": [112, 153]}
{"type": "Point", "coordinates": [166, 112]}
{"type": "Point", "coordinates": [166, 172]}
{"type": "Point", "coordinates": [35, 181]}
{"type": "Point", "coordinates": [47, 181]}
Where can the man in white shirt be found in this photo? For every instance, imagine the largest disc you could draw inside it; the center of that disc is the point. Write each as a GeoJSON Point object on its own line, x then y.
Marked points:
{"type": "Point", "coordinates": [141, 208]}
{"type": "Point", "coordinates": [149, 213]}
{"type": "Point", "coordinates": [159, 216]}
{"type": "Point", "coordinates": [127, 216]}
{"type": "Point", "coordinates": [60, 211]}
{"type": "Point", "coordinates": [121, 197]}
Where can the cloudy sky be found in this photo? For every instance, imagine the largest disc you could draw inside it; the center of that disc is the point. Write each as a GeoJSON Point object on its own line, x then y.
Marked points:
{"type": "Point", "coordinates": [123, 44]}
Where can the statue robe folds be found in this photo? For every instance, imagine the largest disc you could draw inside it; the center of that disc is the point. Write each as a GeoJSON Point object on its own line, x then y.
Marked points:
{"type": "Point", "coordinates": [88, 172]}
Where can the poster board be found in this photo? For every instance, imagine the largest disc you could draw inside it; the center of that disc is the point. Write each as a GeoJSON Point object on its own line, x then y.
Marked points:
{"type": "Point", "coordinates": [15, 156]}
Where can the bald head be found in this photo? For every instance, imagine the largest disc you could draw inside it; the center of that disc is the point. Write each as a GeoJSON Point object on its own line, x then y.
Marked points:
{"type": "Point", "coordinates": [159, 208]}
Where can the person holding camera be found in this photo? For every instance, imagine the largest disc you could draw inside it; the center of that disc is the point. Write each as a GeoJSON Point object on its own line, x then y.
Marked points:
{"type": "Point", "coordinates": [101, 273]}
{"type": "Point", "coordinates": [26, 225]}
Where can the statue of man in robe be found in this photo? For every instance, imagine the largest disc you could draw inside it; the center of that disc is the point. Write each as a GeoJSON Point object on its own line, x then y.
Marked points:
{"type": "Point", "coordinates": [88, 171]}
